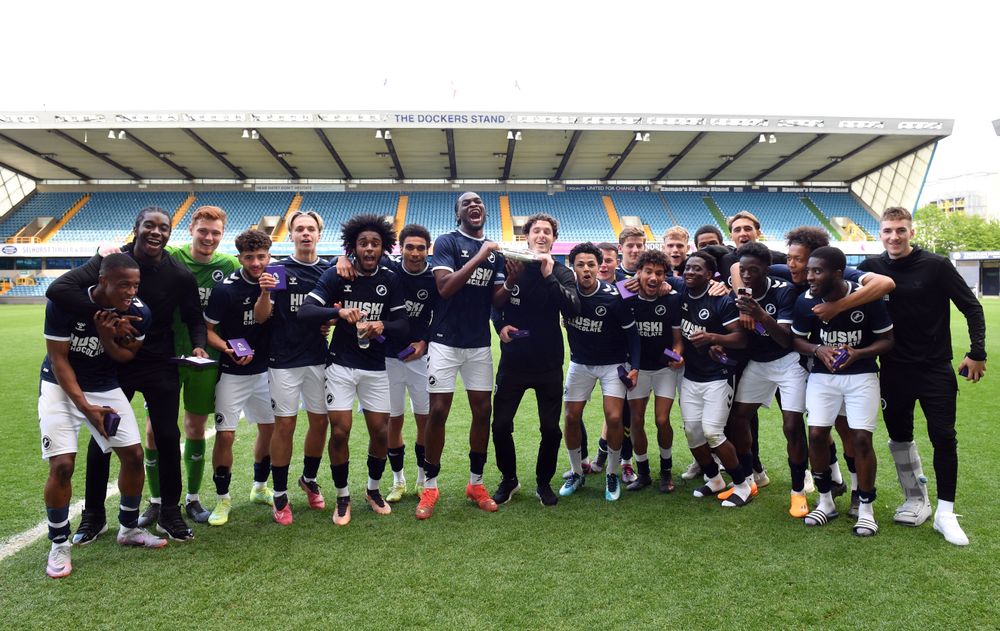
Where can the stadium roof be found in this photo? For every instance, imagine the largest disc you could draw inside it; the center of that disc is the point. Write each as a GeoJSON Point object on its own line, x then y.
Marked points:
{"type": "Point", "coordinates": [216, 147]}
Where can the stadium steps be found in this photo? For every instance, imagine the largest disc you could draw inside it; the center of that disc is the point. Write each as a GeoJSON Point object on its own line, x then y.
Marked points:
{"type": "Point", "coordinates": [716, 214]}
{"type": "Point", "coordinates": [281, 231]}
{"type": "Point", "coordinates": [670, 213]}
{"type": "Point", "coordinates": [401, 204]}
{"type": "Point", "coordinates": [75, 208]}
{"type": "Point", "coordinates": [609, 207]}
{"type": "Point", "coordinates": [823, 219]}
{"type": "Point", "coordinates": [182, 210]}
{"type": "Point", "coordinates": [506, 221]}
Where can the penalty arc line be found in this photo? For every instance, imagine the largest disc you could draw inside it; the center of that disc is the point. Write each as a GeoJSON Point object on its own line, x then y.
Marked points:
{"type": "Point", "coordinates": [22, 540]}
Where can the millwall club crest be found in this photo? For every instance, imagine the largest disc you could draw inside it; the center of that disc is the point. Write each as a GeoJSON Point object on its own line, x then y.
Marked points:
{"type": "Point", "coordinates": [516, 290]}
{"type": "Point", "coordinates": [703, 314]}
{"type": "Point", "coordinates": [381, 290]}
{"type": "Point", "coordinates": [769, 308]}
{"type": "Point", "coordinates": [600, 311]}
{"type": "Point", "coordinates": [857, 317]}
{"type": "Point", "coordinates": [219, 418]}
{"type": "Point", "coordinates": [46, 443]}
{"type": "Point", "coordinates": [422, 294]}
{"type": "Point", "coordinates": [217, 275]}
{"type": "Point", "coordinates": [492, 257]}
{"type": "Point", "coordinates": [660, 310]}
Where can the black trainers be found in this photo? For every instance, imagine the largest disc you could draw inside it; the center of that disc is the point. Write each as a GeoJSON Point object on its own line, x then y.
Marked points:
{"type": "Point", "coordinates": [666, 482]}
{"type": "Point", "coordinates": [150, 516]}
{"type": "Point", "coordinates": [545, 495]}
{"type": "Point", "coordinates": [172, 524]}
{"type": "Point", "coordinates": [641, 481]}
{"type": "Point", "coordinates": [506, 490]}
{"type": "Point", "coordinates": [196, 511]}
{"type": "Point", "coordinates": [836, 490]}
{"type": "Point", "coordinates": [92, 525]}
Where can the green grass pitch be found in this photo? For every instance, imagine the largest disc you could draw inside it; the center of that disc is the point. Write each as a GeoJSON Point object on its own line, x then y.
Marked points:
{"type": "Point", "coordinates": [648, 561]}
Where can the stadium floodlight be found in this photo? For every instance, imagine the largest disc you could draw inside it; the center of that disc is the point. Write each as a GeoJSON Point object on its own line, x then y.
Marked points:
{"type": "Point", "coordinates": [771, 139]}
{"type": "Point", "coordinates": [121, 135]}
{"type": "Point", "coordinates": [246, 133]}
{"type": "Point", "coordinates": [510, 135]}
{"type": "Point", "coordinates": [641, 137]}
{"type": "Point", "coordinates": [378, 134]}
{"type": "Point", "coordinates": [762, 138]}
{"type": "Point", "coordinates": [111, 134]}
{"type": "Point", "coordinates": [387, 135]}
{"type": "Point", "coordinates": [254, 134]}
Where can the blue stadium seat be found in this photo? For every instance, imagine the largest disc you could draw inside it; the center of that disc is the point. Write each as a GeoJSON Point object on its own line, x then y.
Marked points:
{"type": "Point", "coordinates": [243, 209]}
{"type": "Point", "coordinates": [778, 212]}
{"type": "Point", "coordinates": [109, 217]}
{"type": "Point", "coordinates": [845, 205]}
{"type": "Point", "coordinates": [336, 208]}
{"type": "Point", "coordinates": [580, 214]}
{"type": "Point", "coordinates": [436, 212]}
{"type": "Point", "coordinates": [37, 205]}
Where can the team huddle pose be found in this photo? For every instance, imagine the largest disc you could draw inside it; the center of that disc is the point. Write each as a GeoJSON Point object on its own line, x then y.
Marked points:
{"type": "Point", "coordinates": [722, 331]}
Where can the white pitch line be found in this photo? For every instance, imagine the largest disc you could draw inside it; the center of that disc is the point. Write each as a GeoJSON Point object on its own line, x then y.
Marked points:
{"type": "Point", "coordinates": [24, 539]}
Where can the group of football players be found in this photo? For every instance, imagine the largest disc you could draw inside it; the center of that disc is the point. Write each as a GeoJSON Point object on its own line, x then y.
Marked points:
{"type": "Point", "coordinates": [721, 329]}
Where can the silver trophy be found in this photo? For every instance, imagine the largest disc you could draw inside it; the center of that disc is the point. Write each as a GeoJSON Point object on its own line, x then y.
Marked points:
{"type": "Point", "coordinates": [523, 255]}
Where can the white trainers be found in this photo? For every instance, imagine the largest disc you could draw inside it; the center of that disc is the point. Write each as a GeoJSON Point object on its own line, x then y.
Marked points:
{"type": "Point", "coordinates": [913, 513]}
{"type": "Point", "coordinates": [760, 478]}
{"type": "Point", "coordinates": [139, 537]}
{"type": "Point", "coordinates": [59, 564]}
{"type": "Point", "coordinates": [947, 525]}
{"type": "Point", "coordinates": [809, 485]}
{"type": "Point", "coordinates": [693, 471]}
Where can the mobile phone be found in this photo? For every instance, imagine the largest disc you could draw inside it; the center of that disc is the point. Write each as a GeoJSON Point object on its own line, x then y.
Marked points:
{"type": "Point", "coordinates": [623, 375]}
{"type": "Point", "coordinates": [514, 335]}
{"type": "Point", "coordinates": [964, 372]}
{"type": "Point", "coordinates": [406, 352]}
{"type": "Point", "coordinates": [111, 421]}
{"type": "Point", "coordinates": [744, 292]}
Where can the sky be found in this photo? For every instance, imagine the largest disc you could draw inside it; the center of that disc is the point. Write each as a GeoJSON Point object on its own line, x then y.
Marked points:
{"type": "Point", "coordinates": [850, 58]}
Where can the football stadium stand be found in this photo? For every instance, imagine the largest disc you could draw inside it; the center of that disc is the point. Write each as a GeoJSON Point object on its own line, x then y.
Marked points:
{"type": "Point", "coordinates": [582, 215]}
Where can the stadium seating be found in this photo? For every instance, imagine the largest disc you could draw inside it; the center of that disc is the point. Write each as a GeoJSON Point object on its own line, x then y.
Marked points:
{"type": "Point", "coordinates": [778, 212]}
{"type": "Point", "coordinates": [109, 217]}
{"type": "Point", "coordinates": [845, 205]}
{"type": "Point", "coordinates": [243, 208]}
{"type": "Point", "coordinates": [336, 208]}
{"type": "Point", "coordinates": [436, 211]}
{"type": "Point", "coordinates": [581, 215]}
{"type": "Point", "coordinates": [30, 291]}
{"type": "Point", "coordinates": [38, 205]}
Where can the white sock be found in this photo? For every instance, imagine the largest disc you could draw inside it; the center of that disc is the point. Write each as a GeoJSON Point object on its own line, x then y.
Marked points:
{"type": "Point", "coordinates": [279, 493]}
{"type": "Point", "coordinates": [865, 509]}
{"type": "Point", "coordinates": [343, 492]}
{"type": "Point", "coordinates": [575, 460]}
{"type": "Point", "coordinates": [224, 496]}
{"type": "Point", "coordinates": [475, 478]}
{"type": "Point", "coordinates": [258, 485]}
{"type": "Point", "coordinates": [945, 507]}
{"type": "Point", "coordinates": [191, 497]}
{"type": "Point", "coordinates": [716, 483]}
{"type": "Point", "coordinates": [835, 475]}
{"type": "Point", "coordinates": [854, 481]}
{"type": "Point", "coordinates": [305, 479]}
{"type": "Point", "coordinates": [743, 489]}
{"type": "Point", "coordinates": [641, 457]}
{"type": "Point", "coordinates": [421, 476]}
{"type": "Point", "coordinates": [398, 477]}
{"type": "Point", "coordinates": [825, 503]}
{"type": "Point", "coordinates": [431, 483]}
{"type": "Point", "coordinates": [154, 500]}
{"type": "Point", "coordinates": [373, 484]}
{"type": "Point", "coordinates": [666, 453]}
{"type": "Point", "coordinates": [614, 461]}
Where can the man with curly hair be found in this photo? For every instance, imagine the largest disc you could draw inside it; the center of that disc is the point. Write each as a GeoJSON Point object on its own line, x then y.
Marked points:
{"type": "Point", "coordinates": [372, 311]}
